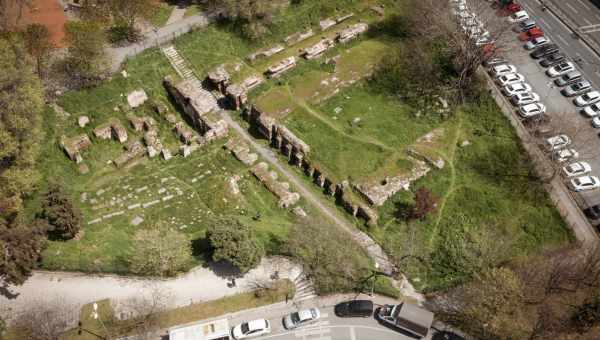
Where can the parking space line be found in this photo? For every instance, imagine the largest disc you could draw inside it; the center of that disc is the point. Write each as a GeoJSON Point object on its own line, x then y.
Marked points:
{"type": "Point", "coordinates": [352, 334]}
{"type": "Point", "coordinates": [583, 4]}
{"type": "Point", "coordinates": [563, 40]}
{"type": "Point", "coordinates": [587, 21]}
{"type": "Point", "coordinates": [571, 7]}
{"type": "Point", "coordinates": [544, 23]}
{"type": "Point", "coordinates": [597, 16]}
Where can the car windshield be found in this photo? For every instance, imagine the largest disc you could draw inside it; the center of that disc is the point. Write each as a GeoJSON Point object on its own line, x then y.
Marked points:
{"type": "Point", "coordinates": [245, 328]}
{"type": "Point", "coordinates": [314, 313]}
{"type": "Point", "coordinates": [295, 317]}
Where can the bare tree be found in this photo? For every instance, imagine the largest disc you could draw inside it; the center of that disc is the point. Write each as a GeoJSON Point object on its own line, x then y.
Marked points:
{"type": "Point", "coordinates": [46, 319]}
{"type": "Point", "coordinates": [143, 311]}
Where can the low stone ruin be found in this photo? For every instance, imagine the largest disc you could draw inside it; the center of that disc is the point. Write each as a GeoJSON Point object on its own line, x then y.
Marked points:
{"type": "Point", "coordinates": [153, 144]}
{"type": "Point", "coordinates": [379, 10]}
{"type": "Point", "coordinates": [428, 139]}
{"type": "Point", "coordinates": [184, 133]}
{"type": "Point", "coordinates": [281, 67]}
{"type": "Point", "coordinates": [137, 98]}
{"type": "Point", "coordinates": [140, 124]}
{"type": "Point", "coordinates": [237, 95]}
{"type": "Point", "coordinates": [344, 17]}
{"type": "Point", "coordinates": [112, 129]}
{"type": "Point", "coordinates": [265, 53]}
{"type": "Point", "coordinates": [280, 189]}
{"type": "Point", "coordinates": [298, 37]}
{"type": "Point", "coordinates": [133, 150]}
{"type": "Point", "coordinates": [83, 121]}
{"type": "Point", "coordinates": [326, 24]}
{"type": "Point", "coordinates": [318, 49]}
{"type": "Point", "coordinates": [241, 151]}
{"type": "Point", "coordinates": [219, 78]}
{"type": "Point", "coordinates": [377, 194]}
{"type": "Point", "coordinates": [352, 32]}
{"type": "Point", "coordinates": [74, 146]}
{"type": "Point", "coordinates": [252, 82]}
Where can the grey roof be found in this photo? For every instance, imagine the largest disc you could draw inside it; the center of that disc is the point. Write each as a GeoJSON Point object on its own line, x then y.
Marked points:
{"type": "Point", "coordinates": [414, 318]}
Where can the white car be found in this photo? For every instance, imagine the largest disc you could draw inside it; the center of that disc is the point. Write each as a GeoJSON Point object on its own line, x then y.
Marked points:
{"type": "Point", "coordinates": [504, 69]}
{"type": "Point", "coordinates": [251, 329]}
{"type": "Point", "coordinates": [301, 318]}
{"type": "Point", "coordinates": [587, 98]}
{"type": "Point", "coordinates": [518, 16]}
{"type": "Point", "coordinates": [564, 155]}
{"type": "Point", "coordinates": [596, 122]}
{"type": "Point", "coordinates": [532, 110]}
{"type": "Point", "coordinates": [592, 110]}
{"type": "Point", "coordinates": [525, 98]}
{"type": "Point", "coordinates": [512, 89]}
{"type": "Point", "coordinates": [577, 169]}
{"type": "Point", "coordinates": [536, 42]}
{"type": "Point", "coordinates": [558, 142]}
{"type": "Point", "coordinates": [585, 183]}
{"type": "Point", "coordinates": [510, 78]}
{"type": "Point", "coordinates": [560, 69]}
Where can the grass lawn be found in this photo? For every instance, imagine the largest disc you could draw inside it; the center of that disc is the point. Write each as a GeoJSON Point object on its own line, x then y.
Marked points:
{"type": "Point", "coordinates": [162, 14]}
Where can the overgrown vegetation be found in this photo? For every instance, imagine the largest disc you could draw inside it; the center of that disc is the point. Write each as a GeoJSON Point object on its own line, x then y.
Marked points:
{"type": "Point", "coordinates": [234, 242]}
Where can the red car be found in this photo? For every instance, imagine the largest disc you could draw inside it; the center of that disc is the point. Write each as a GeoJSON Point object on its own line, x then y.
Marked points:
{"type": "Point", "coordinates": [513, 7]}
{"type": "Point", "coordinates": [531, 34]}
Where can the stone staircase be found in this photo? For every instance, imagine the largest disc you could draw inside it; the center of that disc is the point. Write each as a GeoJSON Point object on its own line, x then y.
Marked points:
{"type": "Point", "coordinates": [304, 288]}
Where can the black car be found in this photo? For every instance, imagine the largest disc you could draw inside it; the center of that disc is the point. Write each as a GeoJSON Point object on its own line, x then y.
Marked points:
{"type": "Point", "coordinates": [553, 59]}
{"type": "Point", "coordinates": [527, 25]}
{"type": "Point", "coordinates": [592, 212]}
{"type": "Point", "coordinates": [543, 51]}
{"type": "Point", "coordinates": [356, 308]}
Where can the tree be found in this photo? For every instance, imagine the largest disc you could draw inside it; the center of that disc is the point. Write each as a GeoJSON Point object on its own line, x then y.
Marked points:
{"type": "Point", "coordinates": [38, 45]}
{"type": "Point", "coordinates": [425, 203]}
{"type": "Point", "coordinates": [45, 319]}
{"type": "Point", "coordinates": [11, 12]}
{"type": "Point", "coordinates": [20, 250]}
{"type": "Point", "coordinates": [252, 16]}
{"type": "Point", "coordinates": [63, 218]}
{"type": "Point", "coordinates": [234, 242]}
{"type": "Point", "coordinates": [144, 311]}
{"type": "Point", "coordinates": [160, 251]}
{"type": "Point", "coordinates": [86, 62]}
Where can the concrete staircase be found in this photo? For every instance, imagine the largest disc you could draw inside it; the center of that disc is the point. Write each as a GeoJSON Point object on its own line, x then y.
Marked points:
{"type": "Point", "coordinates": [304, 288]}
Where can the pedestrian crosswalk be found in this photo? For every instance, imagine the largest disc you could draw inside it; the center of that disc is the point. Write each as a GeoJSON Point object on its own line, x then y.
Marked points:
{"type": "Point", "coordinates": [304, 288]}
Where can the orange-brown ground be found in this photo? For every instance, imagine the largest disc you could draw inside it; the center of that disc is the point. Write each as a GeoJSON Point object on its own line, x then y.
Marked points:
{"type": "Point", "coordinates": [50, 14]}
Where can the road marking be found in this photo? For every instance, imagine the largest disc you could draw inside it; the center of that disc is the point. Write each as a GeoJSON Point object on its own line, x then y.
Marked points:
{"type": "Point", "coordinates": [563, 40]}
{"type": "Point", "coordinates": [583, 4]}
{"type": "Point", "coordinates": [544, 23]}
{"type": "Point", "coordinates": [352, 334]}
{"type": "Point", "coordinates": [587, 21]}
{"type": "Point", "coordinates": [571, 7]}
{"type": "Point", "coordinates": [312, 331]}
{"type": "Point", "coordinates": [371, 328]}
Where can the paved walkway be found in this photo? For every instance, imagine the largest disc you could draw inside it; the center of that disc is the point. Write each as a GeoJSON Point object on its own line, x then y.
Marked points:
{"type": "Point", "coordinates": [200, 284]}
{"type": "Point", "coordinates": [177, 14]}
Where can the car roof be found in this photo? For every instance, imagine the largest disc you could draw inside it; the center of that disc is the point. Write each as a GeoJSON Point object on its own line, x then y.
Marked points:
{"type": "Point", "coordinates": [361, 304]}
{"type": "Point", "coordinates": [305, 314]}
{"type": "Point", "coordinates": [257, 324]}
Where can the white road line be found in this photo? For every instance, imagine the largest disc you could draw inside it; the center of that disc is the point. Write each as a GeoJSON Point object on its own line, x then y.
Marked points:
{"type": "Point", "coordinates": [597, 16]}
{"type": "Point", "coordinates": [324, 315]}
{"type": "Point", "coordinates": [352, 334]}
{"type": "Point", "coordinates": [583, 4]}
{"type": "Point", "coordinates": [587, 21]}
{"type": "Point", "coordinates": [562, 39]}
{"type": "Point", "coordinates": [544, 23]}
{"type": "Point", "coordinates": [571, 7]}
{"type": "Point", "coordinates": [314, 331]}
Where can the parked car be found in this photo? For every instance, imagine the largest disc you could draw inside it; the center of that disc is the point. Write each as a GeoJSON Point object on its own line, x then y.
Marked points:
{"type": "Point", "coordinates": [536, 42]}
{"type": "Point", "coordinates": [512, 89]}
{"type": "Point", "coordinates": [503, 69]}
{"type": "Point", "coordinates": [251, 329]}
{"type": "Point", "coordinates": [518, 16]}
{"type": "Point", "coordinates": [510, 78]}
{"type": "Point", "coordinates": [543, 51]}
{"type": "Point", "coordinates": [560, 69]}
{"type": "Point", "coordinates": [596, 122]}
{"type": "Point", "coordinates": [568, 78]}
{"type": "Point", "coordinates": [525, 98]}
{"type": "Point", "coordinates": [564, 155]}
{"type": "Point", "coordinates": [587, 98]}
{"type": "Point", "coordinates": [585, 183]}
{"type": "Point", "coordinates": [494, 61]}
{"type": "Point", "coordinates": [577, 88]}
{"type": "Point", "coordinates": [558, 142]}
{"type": "Point", "coordinates": [532, 110]}
{"type": "Point", "coordinates": [354, 308]}
{"type": "Point", "coordinates": [591, 111]}
{"type": "Point", "coordinates": [577, 169]}
{"type": "Point", "coordinates": [406, 317]}
{"type": "Point", "coordinates": [533, 32]}
{"type": "Point", "coordinates": [513, 7]}
{"type": "Point", "coordinates": [592, 212]}
{"type": "Point", "coordinates": [527, 25]}
{"type": "Point", "coordinates": [301, 318]}
{"type": "Point", "coordinates": [553, 59]}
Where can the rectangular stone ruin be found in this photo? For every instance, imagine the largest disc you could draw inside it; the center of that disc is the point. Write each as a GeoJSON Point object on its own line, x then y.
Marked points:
{"type": "Point", "coordinates": [252, 82]}
{"type": "Point", "coordinates": [73, 146]}
{"type": "Point", "coordinates": [137, 98]}
{"type": "Point", "coordinates": [140, 124]}
{"type": "Point", "coordinates": [241, 151]}
{"type": "Point", "coordinates": [352, 32]}
{"type": "Point", "coordinates": [344, 18]}
{"type": "Point", "coordinates": [281, 67]}
{"type": "Point", "coordinates": [289, 138]}
{"type": "Point", "coordinates": [133, 150]}
{"type": "Point", "coordinates": [237, 95]}
{"type": "Point", "coordinates": [263, 122]}
{"type": "Point", "coordinates": [298, 37]}
{"type": "Point", "coordinates": [219, 78]}
{"type": "Point", "coordinates": [326, 24]}
{"type": "Point", "coordinates": [185, 134]}
{"type": "Point", "coordinates": [318, 49]}
{"type": "Point", "coordinates": [279, 189]}
{"type": "Point", "coordinates": [265, 53]}
{"type": "Point", "coordinates": [112, 129]}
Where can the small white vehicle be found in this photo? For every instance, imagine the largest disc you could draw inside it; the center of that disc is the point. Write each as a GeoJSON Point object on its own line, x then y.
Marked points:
{"type": "Point", "coordinates": [301, 318]}
{"type": "Point", "coordinates": [504, 69]}
{"type": "Point", "coordinates": [251, 329]}
{"type": "Point", "coordinates": [518, 16]}
{"type": "Point", "coordinates": [510, 78]}
{"type": "Point", "coordinates": [564, 155]}
{"type": "Point", "coordinates": [585, 183]}
{"type": "Point", "coordinates": [560, 69]}
{"type": "Point", "coordinates": [577, 169]}
{"type": "Point", "coordinates": [512, 89]}
{"type": "Point", "coordinates": [587, 98]}
{"type": "Point", "coordinates": [536, 42]}
{"type": "Point", "coordinates": [591, 111]}
{"type": "Point", "coordinates": [596, 122]}
{"type": "Point", "coordinates": [525, 98]}
{"type": "Point", "coordinates": [558, 142]}
{"type": "Point", "coordinates": [532, 110]}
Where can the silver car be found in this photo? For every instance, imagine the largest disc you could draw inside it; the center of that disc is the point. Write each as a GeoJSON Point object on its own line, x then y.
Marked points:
{"type": "Point", "coordinates": [576, 89]}
{"type": "Point", "coordinates": [301, 318]}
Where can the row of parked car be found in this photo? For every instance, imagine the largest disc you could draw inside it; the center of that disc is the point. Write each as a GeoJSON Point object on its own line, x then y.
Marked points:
{"type": "Point", "coordinates": [563, 73]}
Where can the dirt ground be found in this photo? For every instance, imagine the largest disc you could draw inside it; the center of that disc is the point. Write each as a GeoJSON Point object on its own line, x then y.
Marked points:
{"type": "Point", "coordinates": [49, 13]}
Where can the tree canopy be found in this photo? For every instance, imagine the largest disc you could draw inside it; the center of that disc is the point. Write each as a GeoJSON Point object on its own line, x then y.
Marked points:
{"type": "Point", "coordinates": [234, 242]}
{"type": "Point", "coordinates": [160, 251]}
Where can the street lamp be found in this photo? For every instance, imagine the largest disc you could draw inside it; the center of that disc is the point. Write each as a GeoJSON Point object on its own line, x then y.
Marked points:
{"type": "Point", "coordinates": [375, 272]}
